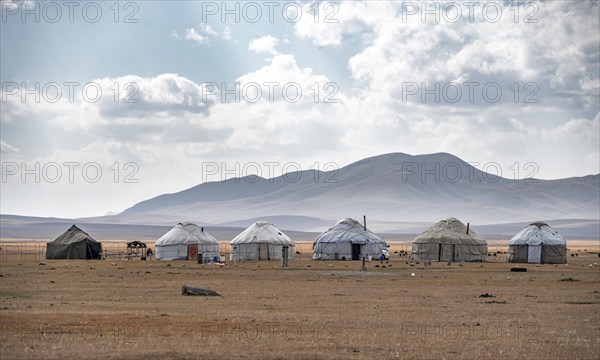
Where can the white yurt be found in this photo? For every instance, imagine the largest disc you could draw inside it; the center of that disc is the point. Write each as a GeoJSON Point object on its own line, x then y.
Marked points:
{"type": "Point", "coordinates": [537, 243]}
{"type": "Point", "coordinates": [187, 241]}
{"type": "Point", "coordinates": [449, 240]}
{"type": "Point", "coordinates": [348, 240]}
{"type": "Point", "coordinates": [261, 241]}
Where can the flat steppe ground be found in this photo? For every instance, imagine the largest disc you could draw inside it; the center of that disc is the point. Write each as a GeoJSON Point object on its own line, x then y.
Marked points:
{"type": "Point", "coordinates": [119, 309]}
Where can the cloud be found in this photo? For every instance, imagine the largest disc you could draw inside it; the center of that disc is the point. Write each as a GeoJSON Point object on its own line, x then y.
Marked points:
{"type": "Point", "coordinates": [226, 33]}
{"type": "Point", "coordinates": [192, 34]}
{"type": "Point", "coordinates": [304, 127]}
{"type": "Point", "coordinates": [166, 108]}
{"type": "Point", "coordinates": [208, 29]}
{"type": "Point", "coordinates": [559, 53]}
{"type": "Point", "coordinates": [265, 44]}
{"type": "Point", "coordinates": [165, 93]}
{"type": "Point", "coordinates": [337, 20]}
{"type": "Point", "coordinates": [288, 82]}
{"type": "Point", "coordinates": [581, 129]}
{"type": "Point", "coordinates": [25, 4]}
{"type": "Point", "coordinates": [6, 148]}
{"type": "Point", "coordinates": [202, 34]}
{"type": "Point", "coordinates": [365, 57]}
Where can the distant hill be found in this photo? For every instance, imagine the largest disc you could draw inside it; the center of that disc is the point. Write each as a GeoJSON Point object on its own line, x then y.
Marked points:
{"type": "Point", "coordinates": [399, 193]}
{"type": "Point", "coordinates": [393, 187]}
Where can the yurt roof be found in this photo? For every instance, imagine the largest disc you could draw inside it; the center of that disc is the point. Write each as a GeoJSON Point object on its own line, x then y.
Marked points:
{"type": "Point", "coordinates": [537, 233]}
{"type": "Point", "coordinates": [348, 230]}
{"type": "Point", "coordinates": [73, 235]}
{"type": "Point", "coordinates": [449, 231]}
{"type": "Point", "coordinates": [186, 233]}
{"type": "Point", "coordinates": [262, 232]}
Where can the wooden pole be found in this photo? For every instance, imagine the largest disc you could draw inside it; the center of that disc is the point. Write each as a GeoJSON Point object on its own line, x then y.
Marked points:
{"type": "Point", "coordinates": [284, 256]}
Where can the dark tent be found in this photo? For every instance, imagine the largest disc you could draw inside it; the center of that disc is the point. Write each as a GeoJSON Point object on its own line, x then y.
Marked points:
{"type": "Point", "coordinates": [74, 244]}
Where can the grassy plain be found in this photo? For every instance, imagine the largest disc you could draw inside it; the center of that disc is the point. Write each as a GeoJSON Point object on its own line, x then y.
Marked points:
{"type": "Point", "coordinates": [119, 309]}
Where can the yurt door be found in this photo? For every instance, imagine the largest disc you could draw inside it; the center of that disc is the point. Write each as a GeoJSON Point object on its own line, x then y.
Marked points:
{"type": "Point", "coordinates": [534, 254]}
{"type": "Point", "coordinates": [355, 251]}
{"type": "Point", "coordinates": [446, 253]}
{"type": "Point", "coordinates": [263, 252]}
{"type": "Point", "coordinates": [192, 252]}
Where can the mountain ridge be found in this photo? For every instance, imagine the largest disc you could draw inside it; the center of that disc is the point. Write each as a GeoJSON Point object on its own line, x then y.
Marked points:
{"type": "Point", "coordinates": [388, 187]}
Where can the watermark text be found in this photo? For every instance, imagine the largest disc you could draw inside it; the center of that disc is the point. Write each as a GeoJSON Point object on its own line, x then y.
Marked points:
{"type": "Point", "coordinates": [54, 172]}
{"type": "Point", "coordinates": [53, 92]}
{"type": "Point", "coordinates": [71, 11]}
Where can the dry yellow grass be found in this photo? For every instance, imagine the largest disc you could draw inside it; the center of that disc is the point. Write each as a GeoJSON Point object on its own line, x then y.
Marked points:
{"type": "Point", "coordinates": [310, 310]}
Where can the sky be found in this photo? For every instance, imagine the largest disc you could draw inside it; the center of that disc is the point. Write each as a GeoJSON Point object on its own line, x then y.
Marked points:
{"type": "Point", "coordinates": [105, 104]}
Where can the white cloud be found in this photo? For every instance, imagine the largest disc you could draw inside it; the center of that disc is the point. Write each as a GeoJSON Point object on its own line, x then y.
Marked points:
{"type": "Point", "coordinates": [6, 148]}
{"type": "Point", "coordinates": [559, 53]}
{"type": "Point", "coordinates": [174, 127]}
{"type": "Point", "coordinates": [226, 33]}
{"type": "Point", "coordinates": [203, 34]}
{"type": "Point", "coordinates": [167, 107]}
{"type": "Point", "coordinates": [192, 34]}
{"type": "Point", "coordinates": [581, 129]}
{"type": "Point", "coordinates": [208, 29]}
{"type": "Point", "coordinates": [24, 4]}
{"type": "Point", "coordinates": [265, 44]}
{"type": "Point", "coordinates": [336, 20]}
{"type": "Point", "coordinates": [287, 81]}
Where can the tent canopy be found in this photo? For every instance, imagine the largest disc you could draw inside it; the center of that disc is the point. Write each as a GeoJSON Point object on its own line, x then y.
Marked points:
{"type": "Point", "coordinates": [74, 244]}
{"type": "Point", "coordinates": [449, 240]}
{"type": "Point", "coordinates": [264, 233]}
{"type": "Point", "coordinates": [187, 241]}
{"type": "Point", "coordinates": [348, 240]}
{"type": "Point", "coordinates": [72, 236]}
{"type": "Point", "coordinates": [537, 233]}
{"type": "Point", "coordinates": [348, 230]}
{"type": "Point", "coordinates": [537, 243]}
{"type": "Point", "coordinates": [261, 241]}
{"type": "Point", "coordinates": [185, 234]}
{"type": "Point", "coordinates": [450, 232]}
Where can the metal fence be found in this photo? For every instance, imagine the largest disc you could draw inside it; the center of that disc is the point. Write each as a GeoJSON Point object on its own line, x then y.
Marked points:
{"type": "Point", "coordinates": [23, 251]}
{"type": "Point", "coordinates": [35, 250]}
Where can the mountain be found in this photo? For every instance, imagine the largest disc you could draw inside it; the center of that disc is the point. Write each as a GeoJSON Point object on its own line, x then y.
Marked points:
{"type": "Point", "coordinates": [390, 188]}
{"type": "Point", "coordinates": [399, 193]}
